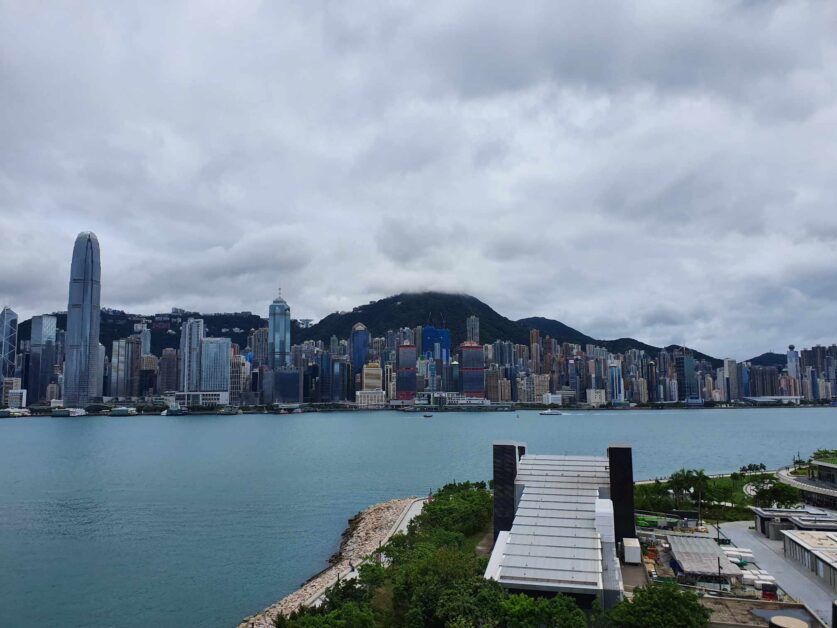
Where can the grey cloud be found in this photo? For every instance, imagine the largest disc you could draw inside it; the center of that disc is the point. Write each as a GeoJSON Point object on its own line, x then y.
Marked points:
{"type": "Point", "coordinates": [663, 172]}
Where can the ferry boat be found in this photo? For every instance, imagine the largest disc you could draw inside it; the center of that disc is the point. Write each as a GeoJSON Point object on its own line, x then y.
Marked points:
{"type": "Point", "coordinates": [65, 412]}
{"type": "Point", "coordinates": [123, 411]}
{"type": "Point", "coordinates": [174, 409]}
{"type": "Point", "coordinates": [229, 410]}
{"type": "Point", "coordinates": [550, 412]}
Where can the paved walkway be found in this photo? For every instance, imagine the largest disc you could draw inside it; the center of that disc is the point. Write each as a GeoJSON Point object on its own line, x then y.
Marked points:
{"type": "Point", "coordinates": [806, 484]}
{"type": "Point", "coordinates": [790, 576]}
{"type": "Point", "coordinates": [400, 526]}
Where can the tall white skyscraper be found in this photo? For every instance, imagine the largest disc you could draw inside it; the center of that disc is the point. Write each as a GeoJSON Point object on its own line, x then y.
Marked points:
{"type": "Point", "coordinates": [279, 333]}
{"type": "Point", "coordinates": [793, 362]}
{"type": "Point", "coordinates": [82, 337]}
{"type": "Point", "coordinates": [191, 335]}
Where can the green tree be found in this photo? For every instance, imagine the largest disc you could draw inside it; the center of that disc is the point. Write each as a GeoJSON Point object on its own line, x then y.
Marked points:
{"type": "Point", "coordinates": [661, 605]}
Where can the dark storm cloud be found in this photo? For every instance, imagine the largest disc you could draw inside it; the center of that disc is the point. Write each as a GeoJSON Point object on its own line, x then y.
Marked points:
{"type": "Point", "coordinates": [655, 170]}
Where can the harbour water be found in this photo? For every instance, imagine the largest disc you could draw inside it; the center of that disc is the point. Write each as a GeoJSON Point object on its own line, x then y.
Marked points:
{"type": "Point", "coordinates": [202, 520]}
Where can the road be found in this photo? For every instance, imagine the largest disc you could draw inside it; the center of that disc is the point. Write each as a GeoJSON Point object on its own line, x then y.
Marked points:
{"type": "Point", "coordinates": [790, 576]}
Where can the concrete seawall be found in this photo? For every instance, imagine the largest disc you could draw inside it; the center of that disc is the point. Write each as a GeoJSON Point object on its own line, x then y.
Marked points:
{"type": "Point", "coordinates": [367, 530]}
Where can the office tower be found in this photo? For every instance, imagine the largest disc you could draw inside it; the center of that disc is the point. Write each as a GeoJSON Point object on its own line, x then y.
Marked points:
{"type": "Point", "coordinates": [279, 333]}
{"type": "Point", "coordinates": [167, 371]}
{"type": "Point", "coordinates": [733, 391]}
{"type": "Point", "coordinates": [260, 346]}
{"type": "Point", "coordinates": [191, 335]}
{"type": "Point", "coordinates": [472, 329]}
{"type": "Point", "coordinates": [99, 375]}
{"type": "Point", "coordinates": [614, 383]}
{"type": "Point", "coordinates": [535, 349]}
{"type": "Point", "coordinates": [435, 343]}
{"type": "Point", "coordinates": [472, 369]}
{"type": "Point", "coordinates": [82, 338]}
{"type": "Point", "coordinates": [417, 331]}
{"type": "Point", "coordinates": [684, 366]}
{"type": "Point", "coordinates": [6, 387]}
{"type": "Point", "coordinates": [334, 345]}
{"type": "Point", "coordinates": [134, 344]}
{"type": "Point", "coordinates": [149, 365]}
{"type": "Point", "coordinates": [215, 364]}
{"type": "Point", "coordinates": [8, 343]}
{"type": "Point", "coordinates": [287, 387]}
{"type": "Point", "coordinates": [793, 362]}
{"type": "Point", "coordinates": [145, 340]}
{"type": "Point", "coordinates": [238, 373]}
{"type": "Point", "coordinates": [41, 358]}
{"type": "Point", "coordinates": [405, 375]}
{"type": "Point", "coordinates": [359, 347]}
{"type": "Point", "coordinates": [373, 376]}
{"type": "Point", "coordinates": [125, 367]}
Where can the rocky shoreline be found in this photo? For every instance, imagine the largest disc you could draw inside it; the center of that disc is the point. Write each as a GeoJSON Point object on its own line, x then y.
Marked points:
{"type": "Point", "coordinates": [365, 532]}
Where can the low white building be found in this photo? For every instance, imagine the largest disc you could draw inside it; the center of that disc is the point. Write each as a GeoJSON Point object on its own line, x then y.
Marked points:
{"type": "Point", "coordinates": [370, 398]}
{"type": "Point", "coordinates": [190, 399]}
{"type": "Point", "coordinates": [596, 397]}
{"type": "Point", "coordinates": [17, 398]}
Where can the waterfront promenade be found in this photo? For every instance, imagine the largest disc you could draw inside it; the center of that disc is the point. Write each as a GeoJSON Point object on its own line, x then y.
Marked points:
{"type": "Point", "coordinates": [371, 529]}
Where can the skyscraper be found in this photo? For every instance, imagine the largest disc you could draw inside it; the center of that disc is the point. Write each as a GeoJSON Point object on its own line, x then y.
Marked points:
{"type": "Point", "coordinates": [41, 357]}
{"type": "Point", "coordinates": [405, 383]}
{"type": "Point", "coordinates": [215, 364]}
{"type": "Point", "coordinates": [472, 329]}
{"type": "Point", "coordinates": [472, 369]}
{"type": "Point", "coordinates": [279, 333]}
{"type": "Point", "coordinates": [82, 338]}
{"type": "Point", "coordinates": [191, 335]}
{"type": "Point", "coordinates": [167, 371]}
{"type": "Point", "coordinates": [8, 343]}
{"type": "Point", "coordinates": [359, 347]}
{"type": "Point", "coordinates": [793, 362]}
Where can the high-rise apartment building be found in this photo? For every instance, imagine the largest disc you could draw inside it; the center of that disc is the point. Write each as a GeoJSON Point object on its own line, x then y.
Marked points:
{"type": "Point", "coordinates": [83, 311]}
{"type": "Point", "coordinates": [279, 333]}
{"type": "Point", "coordinates": [472, 329]}
{"type": "Point", "coordinates": [191, 334]}
{"type": "Point", "coordinates": [215, 365]}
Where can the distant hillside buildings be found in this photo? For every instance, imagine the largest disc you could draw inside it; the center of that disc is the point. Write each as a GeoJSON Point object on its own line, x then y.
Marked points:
{"type": "Point", "coordinates": [407, 366]}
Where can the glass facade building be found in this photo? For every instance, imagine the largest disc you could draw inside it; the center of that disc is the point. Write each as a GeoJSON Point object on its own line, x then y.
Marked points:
{"type": "Point", "coordinates": [359, 347]}
{"type": "Point", "coordinates": [191, 335]}
{"type": "Point", "coordinates": [279, 333]}
{"type": "Point", "coordinates": [83, 312]}
{"type": "Point", "coordinates": [215, 364]}
{"type": "Point", "coordinates": [435, 343]}
{"type": "Point", "coordinates": [8, 343]}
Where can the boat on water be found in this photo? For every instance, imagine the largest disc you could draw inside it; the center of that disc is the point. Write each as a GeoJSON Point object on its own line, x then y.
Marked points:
{"type": "Point", "coordinates": [65, 412]}
{"type": "Point", "coordinates": [229, 410]}
{"type": "Point", "coordinates": [427, 416]}
{"type": "Point", "coordinates": [174, 409]}
{"type": "Point", "coordinates": [550, 412]}
{"type": "Point", "coordinates": [123, 411]}
{"type": "Point", "coordinates": [13, 413]}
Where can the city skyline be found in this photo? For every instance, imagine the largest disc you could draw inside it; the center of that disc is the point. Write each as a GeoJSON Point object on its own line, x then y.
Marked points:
{"type": "Point", "coordinates": [662, 173]}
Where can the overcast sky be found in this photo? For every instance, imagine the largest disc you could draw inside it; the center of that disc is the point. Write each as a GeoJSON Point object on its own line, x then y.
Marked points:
{"type": "Point", "coordinates": [662, 170]}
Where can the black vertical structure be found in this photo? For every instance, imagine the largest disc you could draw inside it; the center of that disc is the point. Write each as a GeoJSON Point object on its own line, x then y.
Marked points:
{"type": "Point", "coordinates": [620, 461]}
{"type": "Point", "coordinates": [506, 455]}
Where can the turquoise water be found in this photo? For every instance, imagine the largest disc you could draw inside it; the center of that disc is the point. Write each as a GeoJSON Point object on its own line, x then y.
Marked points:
{"type": "Point", "coordinates": [202, 520]}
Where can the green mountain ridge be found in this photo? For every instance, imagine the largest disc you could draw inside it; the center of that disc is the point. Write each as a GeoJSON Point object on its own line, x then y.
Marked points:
{"type": "Point", "coordinates": [408, 309]}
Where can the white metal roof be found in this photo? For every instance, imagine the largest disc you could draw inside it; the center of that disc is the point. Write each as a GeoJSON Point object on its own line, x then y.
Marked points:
{"type": "Point", "coordinates": [701, 556]}
{"type": "Point", "coordinates": [553, 543]}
